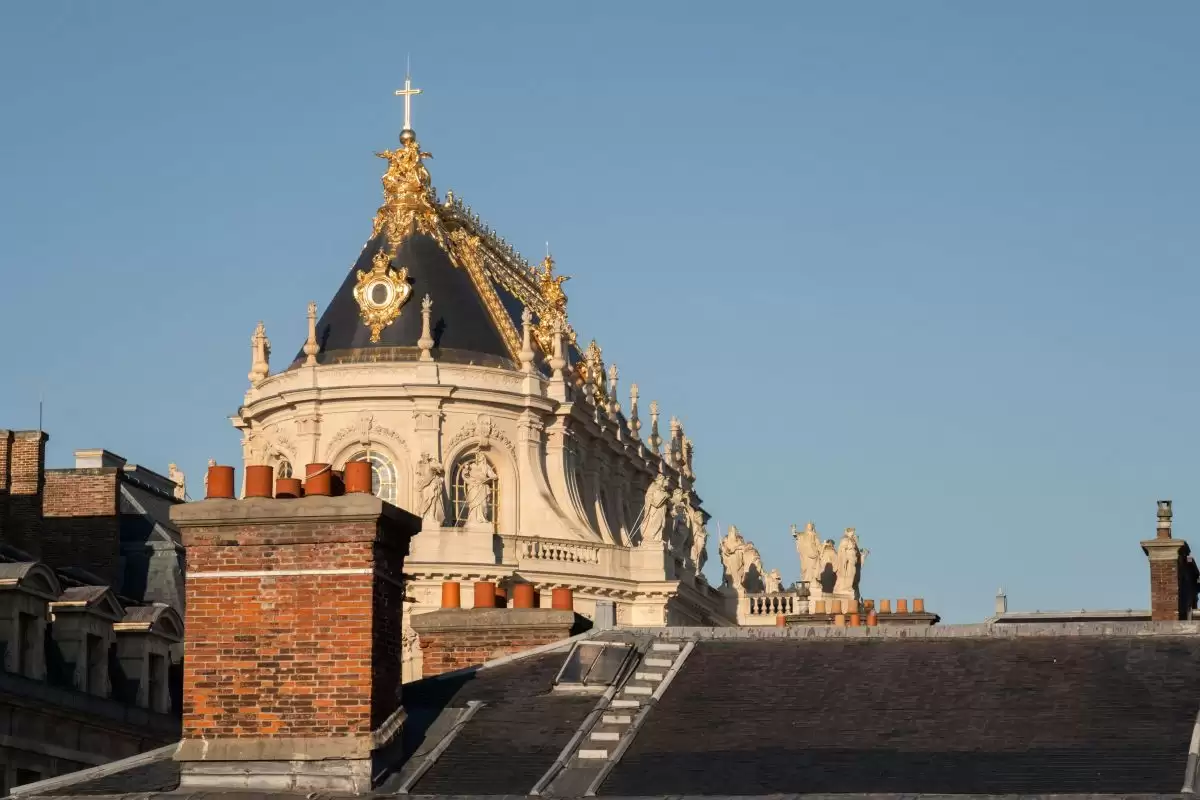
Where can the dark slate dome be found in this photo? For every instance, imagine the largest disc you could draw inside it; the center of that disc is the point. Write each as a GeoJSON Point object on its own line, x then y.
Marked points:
{"type": "Point", "coordinates": [462, 328]}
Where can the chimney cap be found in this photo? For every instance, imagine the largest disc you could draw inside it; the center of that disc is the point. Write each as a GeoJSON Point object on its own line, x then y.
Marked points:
{"type": "Point", "coordinates": [97, 458]}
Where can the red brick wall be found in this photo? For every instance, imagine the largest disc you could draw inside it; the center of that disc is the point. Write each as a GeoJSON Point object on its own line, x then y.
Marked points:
{"type": "Point", "coordinates": [456, 638]}
{"type": "Point", "coordinates": [1167, 598]}
{"type": "Point", "coordinates": [82, 525]}
{"type": "Point", "coordinates": [22, 461]}
{"type": "Point", "coordinates": [290, 655]}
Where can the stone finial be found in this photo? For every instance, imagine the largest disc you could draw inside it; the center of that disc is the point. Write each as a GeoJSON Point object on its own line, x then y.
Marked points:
{"type": "Point", "coordinates": [654, 440]}
{"type": "Point", "coordinates": [177, 477]}
{"type": "Point", "coordinates": [311, 348]}
{"type": "Point", "coordinates": [614, 405]}
{"type": "Point", "coordinates": [1163, 528]}
{"type": "Point", "coordinates": [527, 341]}
{"type": "Point", "coordinates": [635, 424]}
{"type": "Point", "coordinates": [260, 355]}
{"type": "Point", "coordinates": [689, 450]}
{"type": "Point", "coordinates": [558, 360]}
{"type": "Point", "coordinates": [425, 343]}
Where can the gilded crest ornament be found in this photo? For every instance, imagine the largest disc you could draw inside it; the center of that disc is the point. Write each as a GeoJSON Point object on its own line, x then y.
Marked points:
{"type": "Point", "coordinates": [381, 293]}
{"type": "Point", "coordinates": [555, 299]}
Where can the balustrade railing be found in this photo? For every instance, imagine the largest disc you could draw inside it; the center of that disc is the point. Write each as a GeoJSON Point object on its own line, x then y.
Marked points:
{"type": "Point", "coordinates": [774, 604]}
{"type": "Point", "coordinates": [559, 551]}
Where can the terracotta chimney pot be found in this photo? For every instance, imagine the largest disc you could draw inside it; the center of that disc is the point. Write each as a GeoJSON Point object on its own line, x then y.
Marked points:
{"type": "Point", "coordinates": [855, 620]}
{"type": "Point", "coordinates": [780, 621]}
{"type": "Point", "coordinates": [337, 484]}
{"type": "Point", "coordinates": [501, 597]}
{"type": "Point", "coordinates": [258, 480]}
{"type": "Point", "coordinates": [562, 599]}
{"type": "Point", "coordinates": [885, 606]}
{"type": "Point", "coordinates": [451, 594]}
{"type": "Point", "coordinates": [902, 606]}
{"type": "Point", "coordinates": [357, 477]}
{"type": "Point", "coordinates": [485, 594]}
{"type": "Point", "coordinates": [318, 480]}
{"type": "Point", "coordinates": [818, 607]}
{"type": "Point", "coordinates": [220, 483]}
{"type": "Point", "coordinates": [839, 620]}
{"type": "Point", "coordinates": [289, 488]}
{"type": "Point", "coordinates": [868, 604]}
{"type": "Point", "coordinates": [872, 618]}
{"type": "Point", "coordinates": [918, 605]}
{"type": "Point", "coordinates": [523, 595]}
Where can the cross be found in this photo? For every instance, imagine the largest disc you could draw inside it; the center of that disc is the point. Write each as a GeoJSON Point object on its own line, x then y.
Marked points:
{"type": "Point", "coordinates": [407, 93]}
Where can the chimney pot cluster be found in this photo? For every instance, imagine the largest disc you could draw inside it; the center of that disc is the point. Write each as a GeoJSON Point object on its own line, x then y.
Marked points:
{"type": "Point", "coordinates": [321, 480]}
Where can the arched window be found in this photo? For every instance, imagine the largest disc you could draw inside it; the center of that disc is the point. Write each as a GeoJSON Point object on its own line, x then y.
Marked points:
{"type": "Point", "coordinates": [383, 474]}
{"type": "Point", "coordinates": [476, 478]}
{"type": "Point", "coordinates": [283, 468]}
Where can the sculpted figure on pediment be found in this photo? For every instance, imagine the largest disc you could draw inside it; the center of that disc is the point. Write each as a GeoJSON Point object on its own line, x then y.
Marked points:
{"type": "Point", "coordinates": [773, 582]}
{"type": "Point", "coordinates": [654, 511]}
{"type": "Point", "coordinates": [808, 547]}
{"type": "Point", "coordinates": [478, 477]}
{"type": "Point", "coordinates": [431, 486]}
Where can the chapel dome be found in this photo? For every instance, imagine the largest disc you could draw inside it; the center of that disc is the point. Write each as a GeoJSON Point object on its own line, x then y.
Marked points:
{"type": "Point", "coordinates": [462, 328]}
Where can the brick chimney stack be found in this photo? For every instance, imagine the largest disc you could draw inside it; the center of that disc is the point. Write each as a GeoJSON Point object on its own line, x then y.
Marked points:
{"type": "Point", "coordinates": [292, 660]}
{"type": "Point", "coordinates": [22, 467]}
{"type": "Point", "coordinates": [1173, 573]}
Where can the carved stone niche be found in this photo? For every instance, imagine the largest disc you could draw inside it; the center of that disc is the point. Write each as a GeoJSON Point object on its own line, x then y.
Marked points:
{"type": "Point", "coordinates": [146, 639]}
{"type": "Point", "coordinates": [26, 590]}
{"type": "Point", "coordinates": [83, 632]}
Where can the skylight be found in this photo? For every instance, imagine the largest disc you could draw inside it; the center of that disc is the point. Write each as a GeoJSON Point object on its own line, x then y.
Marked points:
{"type": "Point", "coordinates": [592, 665]}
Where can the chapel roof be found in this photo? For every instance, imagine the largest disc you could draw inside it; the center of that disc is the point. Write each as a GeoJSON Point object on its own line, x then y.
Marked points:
{"type": "Point", "coordinates": [972, 710]}
{"type": "Point", "coordinates": [425, 245]}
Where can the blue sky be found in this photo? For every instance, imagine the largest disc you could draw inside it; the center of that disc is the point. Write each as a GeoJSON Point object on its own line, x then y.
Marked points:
{"type": "Point", "coordinates": [926, 269]}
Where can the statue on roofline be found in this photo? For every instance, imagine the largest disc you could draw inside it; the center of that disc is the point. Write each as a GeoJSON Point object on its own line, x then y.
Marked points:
{"type": "Point", "coordinates": [654, 511]}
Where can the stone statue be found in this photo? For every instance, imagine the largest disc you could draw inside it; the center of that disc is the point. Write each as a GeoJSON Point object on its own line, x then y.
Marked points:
{"type": "Point", "coordinates": [680, 520]}
{"type": "Point", "coordinates": [753, 573]}
{"type": "Point", "coordinates": [808, 546]}
{"type": "Point", "coordinates": [848, 563]}
{"type": "Point", "coordinates": [430, 485]}
{"type": "Point", "coordinates": [477, 478]}
{"type": "Point", "coordinates": [828, 559]}
{"type": "Point", "coordinates": [773, 581]}
{"type": "Point", "coordinates": [177, 478]}
{"type": "Point", "coordinates": [733, 558]}
{"type": "Point", "coordinates": [654, 511]}
{"type": "Point", "coordinates": [699, 553]}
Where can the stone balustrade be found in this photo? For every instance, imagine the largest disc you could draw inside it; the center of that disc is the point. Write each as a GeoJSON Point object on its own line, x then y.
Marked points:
{"type": "Point", "coordinates": [773, 604]}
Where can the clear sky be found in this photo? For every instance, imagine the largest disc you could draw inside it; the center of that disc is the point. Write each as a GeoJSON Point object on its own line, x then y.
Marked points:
{"type": "Point", "coordinates": [926, 269]}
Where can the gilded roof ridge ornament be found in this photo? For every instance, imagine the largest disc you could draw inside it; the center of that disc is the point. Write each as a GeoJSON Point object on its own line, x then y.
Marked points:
{"type": "Point", "coordinates": [555, 299]}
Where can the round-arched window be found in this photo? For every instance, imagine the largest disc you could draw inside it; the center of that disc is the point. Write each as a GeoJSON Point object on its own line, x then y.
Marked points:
{"type": "Point", "coordinates": [383, 474]}
{"type": "Point", "coordinates": [283, 468]}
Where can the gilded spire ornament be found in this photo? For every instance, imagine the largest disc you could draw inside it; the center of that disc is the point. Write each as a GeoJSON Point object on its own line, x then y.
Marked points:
{"type": "Point", "coordinates": [408, 194]}
{"type": "Point", "coordinates": [381, 293]}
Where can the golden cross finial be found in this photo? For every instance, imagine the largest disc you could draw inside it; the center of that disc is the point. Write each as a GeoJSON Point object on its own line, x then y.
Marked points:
{"type": "Point", "coordinates": [407, 93]}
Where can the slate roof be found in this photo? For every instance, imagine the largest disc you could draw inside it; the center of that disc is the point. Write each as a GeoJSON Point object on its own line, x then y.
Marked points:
{"type": "Point", "coordinates": [967, 716]}
{"type": "Point", "coordinates": [461, 327]}
{"type": "Point", "coordinates": [976, 710]}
